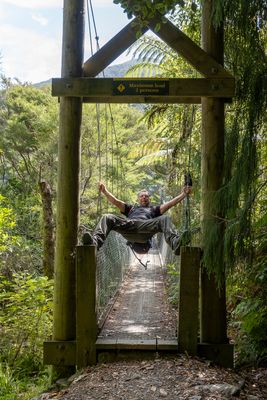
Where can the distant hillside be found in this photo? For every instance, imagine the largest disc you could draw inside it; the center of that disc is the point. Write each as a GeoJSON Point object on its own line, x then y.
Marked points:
{"type": "Point", "coordinates": [118, 70]}
{"type": "Point", "coordinates": [113, 71]}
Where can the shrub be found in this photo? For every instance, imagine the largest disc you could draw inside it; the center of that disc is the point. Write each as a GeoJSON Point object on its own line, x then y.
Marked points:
{"type": "Point", "coordinates": [25, 322]}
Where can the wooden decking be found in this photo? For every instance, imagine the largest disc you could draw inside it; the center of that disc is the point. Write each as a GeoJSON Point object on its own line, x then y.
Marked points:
{"type": "Point", "coordinates": [141, 310]}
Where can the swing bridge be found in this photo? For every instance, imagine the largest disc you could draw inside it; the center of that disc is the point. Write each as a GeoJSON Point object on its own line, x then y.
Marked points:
{"type": "Point", "coordinates": [85, 282]}
{"type": "Point", "coordinates": [122, 309]}
{"type": "Point", "coordinates": [128, 314]}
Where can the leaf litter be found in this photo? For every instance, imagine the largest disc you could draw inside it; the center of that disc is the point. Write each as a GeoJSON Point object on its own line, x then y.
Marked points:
{"type": "Point", "coordinates": [169, 377]}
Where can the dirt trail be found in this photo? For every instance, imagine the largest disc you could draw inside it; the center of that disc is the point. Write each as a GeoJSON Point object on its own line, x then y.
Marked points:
{"type": "Point", "coordinates": [172, 378]}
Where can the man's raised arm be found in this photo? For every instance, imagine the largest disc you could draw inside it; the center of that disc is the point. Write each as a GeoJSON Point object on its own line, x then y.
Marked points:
{"type": "Point", "coordinates": [111, 198]}
{"type": "Point", "coordinates": [166, 206]}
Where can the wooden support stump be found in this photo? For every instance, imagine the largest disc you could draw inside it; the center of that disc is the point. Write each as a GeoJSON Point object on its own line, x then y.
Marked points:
{"type": "Point", "coordinates": [86, 320]}
{"type": "Point", "coordinates": [188, 321]}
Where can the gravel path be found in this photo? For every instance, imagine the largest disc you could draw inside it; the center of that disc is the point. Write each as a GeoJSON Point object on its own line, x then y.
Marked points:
{"type": "Point", "coordinates": [172, 378]}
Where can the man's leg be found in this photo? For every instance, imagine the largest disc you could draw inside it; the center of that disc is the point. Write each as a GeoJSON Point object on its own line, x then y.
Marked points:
{"type": "Point", "coordinates": [160, 224]}
{"type": "Point", "coordinates": [171, 235]}
{"type": "Point", "coordinates": [106, 223]}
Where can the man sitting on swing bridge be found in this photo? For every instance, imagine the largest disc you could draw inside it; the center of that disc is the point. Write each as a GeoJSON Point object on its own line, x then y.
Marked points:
{"type": "Point", "coordinates": [142, 221]}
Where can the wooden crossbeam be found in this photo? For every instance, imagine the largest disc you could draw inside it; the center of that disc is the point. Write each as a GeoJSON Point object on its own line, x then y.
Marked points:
{"type": "Point", "coordinates": [170, 34]}
{"type": "Point", "coordinates": [144, 90]}
{"type": "Point", "coordinates": [111, 50]}
{"type": "Point", "coordinates": [145, 100]}
{"type": "Point", "coordinates": [189, 50]}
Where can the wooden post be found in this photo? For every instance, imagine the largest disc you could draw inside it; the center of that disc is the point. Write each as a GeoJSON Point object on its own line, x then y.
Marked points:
{"type": "Point", "coordinates": [188, 315]}
{"type": "Point", "coordinates": [86, 322]}
{"type": "Point", "coordinates": [213, 305]}
{"type": "Point", "coordinates": [68, 178]}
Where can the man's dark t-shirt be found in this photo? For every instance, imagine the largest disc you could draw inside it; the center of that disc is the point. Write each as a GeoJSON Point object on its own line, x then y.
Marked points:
{"type": "Point", "coordinates": [141, 212]}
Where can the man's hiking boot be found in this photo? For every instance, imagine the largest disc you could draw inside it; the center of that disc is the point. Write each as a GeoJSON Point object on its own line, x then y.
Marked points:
{"type": "Point", "coordinates": [177, 246]}
{"type": "Point", "coordinates": [88, 239]}
{"type": "Point", "coordinates": [183, 240]}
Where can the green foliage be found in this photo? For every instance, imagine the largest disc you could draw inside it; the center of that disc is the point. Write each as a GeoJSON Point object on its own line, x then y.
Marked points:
{"type": "Point", "coordinates": [247, 300]}
{"type": "Point", "coordinates": [28, 153]}
{"type": "Point", "coordinates": [147, 9]}
{"type": "Point", "coordinates": [172, 283]}
{"type": "Point", "coordinates": [7, 222]}
{"type": "Point", "coordinates": [22, 389]}
{"type": "Point", "coordinates": [25, 317]}
{"type": "Point", "coordinates": [244, 182]}
{"type": "Point", "coordinates": [7, 383]}
{"type": "Point", "coordinates": [26, 321]}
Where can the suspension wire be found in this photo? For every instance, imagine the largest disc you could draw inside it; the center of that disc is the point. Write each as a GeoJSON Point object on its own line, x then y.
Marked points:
{"type": "Point", "coordinates": [113, 130]}
{"type": "Point", "coordinates": [106, 150]}
{"type": "Point", "coordinates": [89, 16]}
{"type": "Point", "coordinates": [93, 18]}
{"type": "Point", "coordinates": [99, 141]}
{"type": "Point", "coordinates": [118, 160]}
{"type": "Point", "coordinates": [89, 28]}
{"type": "Point", "coordinates": [113, 137]}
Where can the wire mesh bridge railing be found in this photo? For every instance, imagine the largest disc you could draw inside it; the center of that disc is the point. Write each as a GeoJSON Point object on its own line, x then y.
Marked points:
{"type": "Point", "coordinates": [112, 263]}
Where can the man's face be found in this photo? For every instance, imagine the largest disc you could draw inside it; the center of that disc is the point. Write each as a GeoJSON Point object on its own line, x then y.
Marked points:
{"type": "Point", "coordinates": [143, 199]}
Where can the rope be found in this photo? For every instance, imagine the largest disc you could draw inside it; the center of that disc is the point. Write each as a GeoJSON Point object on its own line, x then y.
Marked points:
{"type": "Point", "coordinates": [139, 259]}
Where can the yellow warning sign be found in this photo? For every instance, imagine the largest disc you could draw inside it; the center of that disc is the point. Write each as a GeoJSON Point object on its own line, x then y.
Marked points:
{"type": "Point", "coordinates": [121, 88]}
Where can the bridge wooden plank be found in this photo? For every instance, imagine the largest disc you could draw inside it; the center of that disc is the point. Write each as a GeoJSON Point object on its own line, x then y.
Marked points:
{"type": "Point", "coordinates": [167, 345]}
{"type": "Point", "coordinates": [177, 88]}
{"type": "Point", "coordinates": [129, 344]}
{"type": "Point", "coordinates": [135, 344]}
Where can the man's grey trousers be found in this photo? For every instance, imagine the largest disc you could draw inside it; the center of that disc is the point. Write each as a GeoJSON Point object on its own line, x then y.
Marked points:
{"type": "Point", "coordinates": [136, 231]}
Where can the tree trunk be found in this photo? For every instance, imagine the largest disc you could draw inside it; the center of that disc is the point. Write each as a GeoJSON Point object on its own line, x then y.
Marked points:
{"type": "Point", "coordinates": [48, 230]}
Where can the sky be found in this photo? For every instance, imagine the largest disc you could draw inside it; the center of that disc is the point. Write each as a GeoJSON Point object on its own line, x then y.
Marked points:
{"type": "Point", "coordinates": [31, 36]}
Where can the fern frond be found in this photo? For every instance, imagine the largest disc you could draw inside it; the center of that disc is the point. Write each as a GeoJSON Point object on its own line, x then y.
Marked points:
{"type": "Point", "coordinates": [149, 48]}
{"type": "Point", "coordinates": [152, 158]}
{"type": "Point", "coordinates": [144, 69]}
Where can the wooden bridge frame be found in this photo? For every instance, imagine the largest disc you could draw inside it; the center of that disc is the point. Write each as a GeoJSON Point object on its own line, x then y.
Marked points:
{"type": "Point", "coordinates": [77, 85]}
